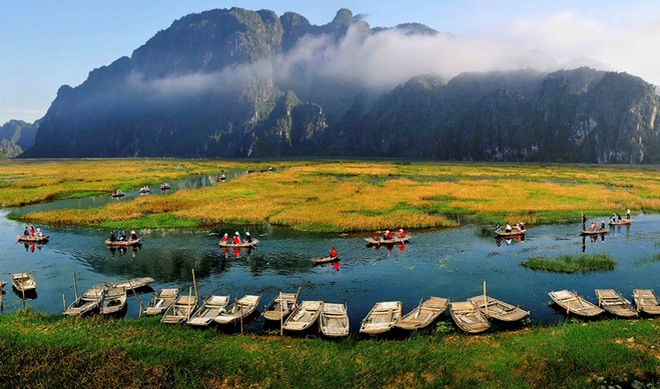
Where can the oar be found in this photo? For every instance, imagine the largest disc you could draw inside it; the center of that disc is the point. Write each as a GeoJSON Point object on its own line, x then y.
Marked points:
{"type": "Point", "coordinates": [419, 308]}
{"type": "Point", "coordinates": [486, 301]}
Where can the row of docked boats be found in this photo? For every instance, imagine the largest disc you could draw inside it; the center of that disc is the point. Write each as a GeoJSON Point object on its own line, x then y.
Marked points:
{"type": "Point", "coordinates": [109, 298]}
{"type": "Point", "coordinates": [608, 300]}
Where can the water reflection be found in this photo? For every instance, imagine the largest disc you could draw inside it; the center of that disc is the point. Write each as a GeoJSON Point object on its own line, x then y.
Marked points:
{"type": "Point", "coordinates": [509, 241]}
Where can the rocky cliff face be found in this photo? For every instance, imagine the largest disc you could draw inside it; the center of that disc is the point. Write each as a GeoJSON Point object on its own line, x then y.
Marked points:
{"type": "Point", "coordinates": [210, 86]}
{"type": "Point", "coordinates": [16, 136]}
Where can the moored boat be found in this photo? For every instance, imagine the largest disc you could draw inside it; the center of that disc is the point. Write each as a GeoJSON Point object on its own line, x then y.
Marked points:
{"type": "Point", "coordinates": [424, 314]}
{"type": "Point", "coordinates": [240, 308]}
{"type": "Point", "coordinates": [280, 307]}
{"type": "Point", "coordinates": [326, 259]}
{"type": "Point", "coordinates": [646, 301]}
{"type": "Point", "coordinates": [254, 243]}
{"type": "Point", "coordinates": [2, 284]}
{"type": "Point", "coordinates": [595, 232]}
{"type": "Point", "coordinates": [304, 316]}
{"type": "Point", "coordinates": [382, 317]}
{"type": "Point", "coordinates": [382, 241]}
{"type": "Point", "coordinates": [161, 301]}
{"type": "Point", "coordinates": [133, 284]}
{"type": "Point", "coordinates": [614, 303]}
{"type": "Point", "coordinates": [497, 309]}
{"type": "Point", "coordinates": [180, 310]}
{"type": "Point", "coordinates": [122, 243]}
{"type": "Point", "coordinates": [211, 307]}
{"type": "Point", "coordinates": [333, 320]}
{"type": "Point", "coordinates": [114, 301]}
{"type": "Point", "coordinates": [575, 304]}
{"type": "Point", "coordinates": [468, 317]}
{"type": "Point", "coordinates": [31, 238]}
{"type": "Point", "coordinates": [86, 303]}
{"type": "Point", "coordinates": [24, 282]}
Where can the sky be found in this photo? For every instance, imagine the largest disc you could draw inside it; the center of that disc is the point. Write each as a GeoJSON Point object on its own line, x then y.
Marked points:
{"type": "Point", "coordinates": [45, 44]}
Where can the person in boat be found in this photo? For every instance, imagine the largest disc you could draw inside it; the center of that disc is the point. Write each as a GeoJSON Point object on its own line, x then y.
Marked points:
{"type": "Point", "coordinates": [618, 218]}
{"type": "Point", "coordinates": [498, 227]}
{"type": "Point", "coordinates": [32, 230]}
{"type": "Point", "coordinates": [237, 238]}
{"type": "Point", "coordinates": [388, 235]}
{"type": "Point", "coordinates": [521, 225]}
{"type": "Point", "coordinates": [39, 233]}
{"type": "Point", "coordinates": [26, 232]}
{"type": "Point", "coordinates": [628, 214]}
{"type": "Point", "coordinates": [333, 252]}
{"type": "Point", "coordinates": [602, 225]}
{"type": "Point", "coordinates": [594, 226]}
{"type": "Point", "coordinates": [584, 219]}
{"type": "Point", "coordinates": [121, 235]}
{"type": "Point", "coordinates": [133, 235]}
{"type": "Point", "coordinates": [507, 229]}
{"type": "Point", "coordinates": [112, 236]}
{"type": "Point", "coordinates": [225, 238]}
{"type": "Point", "coordinates": [401, 233]}
{"type": "Point", "coordinates": [248, 238]}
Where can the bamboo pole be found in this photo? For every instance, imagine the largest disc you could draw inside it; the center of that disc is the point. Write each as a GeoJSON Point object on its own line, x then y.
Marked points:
{"type": "Point", "coordinates": [194, 281]}
{"type": "Point", "coordinates": [240, 313]}
{"type": "Point", "coordinates": [189, 303]}
{"type": "Point", "coordinates": [486, 301]}
{"type": "Point", "coordinates": [75, 285]}
{"type": "Point", "coordinates": [63, 301]}
{"type": "Point", "coordinates": [281, 315]}
{"type": "Point", "coordinates": [130, 285]}
{"type": "Point", "coordinates": [419, 308]}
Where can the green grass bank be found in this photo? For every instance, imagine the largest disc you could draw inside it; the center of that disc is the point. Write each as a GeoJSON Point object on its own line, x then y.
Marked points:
{"type": "Point", "coordinates": [40, 350]}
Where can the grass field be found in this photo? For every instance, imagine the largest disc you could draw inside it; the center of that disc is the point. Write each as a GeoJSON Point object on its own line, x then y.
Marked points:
{"type": "Point", "coordinates": [333, 195]}
{"type": "Point", "coordinates": [52, 351]}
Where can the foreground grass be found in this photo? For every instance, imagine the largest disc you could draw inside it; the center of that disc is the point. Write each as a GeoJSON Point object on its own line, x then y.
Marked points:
{"type": "Point", "coordinates": [49, 351]}
{"type": "Point", "coordinates": [572, 263]}
{"type": "Point", "coordinates": [335, 196]}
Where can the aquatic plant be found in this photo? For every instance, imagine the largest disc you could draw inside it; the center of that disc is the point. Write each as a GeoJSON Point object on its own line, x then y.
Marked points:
{"type": "Point", "coordinates": [572, 263]}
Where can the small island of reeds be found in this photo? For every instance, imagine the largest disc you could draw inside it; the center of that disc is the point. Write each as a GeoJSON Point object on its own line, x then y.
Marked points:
{"type": "Point", "coordinates": [567, 263]}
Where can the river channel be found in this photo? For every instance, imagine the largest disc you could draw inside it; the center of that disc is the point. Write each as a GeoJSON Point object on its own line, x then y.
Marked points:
{"type": "Point", "coordinates": [450, 263]}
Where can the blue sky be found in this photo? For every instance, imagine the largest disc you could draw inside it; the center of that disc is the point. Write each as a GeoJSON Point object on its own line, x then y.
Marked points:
{"type": "Point", "coordinates": [45, 44]}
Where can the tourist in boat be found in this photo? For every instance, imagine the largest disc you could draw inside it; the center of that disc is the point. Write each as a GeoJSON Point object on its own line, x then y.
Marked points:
{"type": "Point", "coordinates": [507, 229]}
{"type": "Point", "coordinates": [401, 233]}
{"type": "Point", "coordinates": [333, 252]}
{"type": "Point", "coordinates": [522, 226]}
{"type": "Point", "coordinates": [388, 235]}
{"type": "Point", "coordinates": [584, 219]}
{"type": "Point", "coordinates": [618, 218]}
{"type": "Point", "coordinates": [133, 235]}
{"type": "Point", "coordinates": [602, 224]}
{"type": "Point", "coordinates": [39, 233]}
{"type": "Point", "coordinates": [237, 238]}
{"type": "Point", "coordinates": [248, 238]}
{"type": "Point", "coordinates": [32, 230]}
{"type": "Point", "coordinates": [594, 226]}
{"type": "Point", "coordinates": [628, 214]}
{"type": "Point", "coordinates": [112, 236]}
{"type": "Point", "coordinates": [121, 235]}
{"type": "Point", "coordinates": [225, 238]}
{"type": "Point", "coordinates": [26, 232]}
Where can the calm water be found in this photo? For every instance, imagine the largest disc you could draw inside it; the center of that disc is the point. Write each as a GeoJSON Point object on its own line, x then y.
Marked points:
{"type": "Point", "coordinates": [449, 263]}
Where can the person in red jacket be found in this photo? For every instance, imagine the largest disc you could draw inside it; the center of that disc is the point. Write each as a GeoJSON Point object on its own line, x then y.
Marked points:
{"type": "Point", "coordinates": [237, 238]}
{"type": "Point", "coordinates": [333, 252]}
{"type": "Point", "coordinates": [401, 233]}
{"type": "Point", "coordinates": [388, 235]}
{"type": "Point", "coordinates": [225, 238]}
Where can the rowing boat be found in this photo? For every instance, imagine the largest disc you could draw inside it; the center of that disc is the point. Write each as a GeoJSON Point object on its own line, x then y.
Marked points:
{"type": "Point", "coordinates": [333, 320]}
{"type": "Point", "coordinates": [646, 301]}
{"type": "Point", "coordinates": [614, 303]}
{"type": "Point", "coordinates": [211, 308]}
{"type": "Point", "coordinates": [31, 238]}
{"type": "Point", "coordinates": [598, 232]}
{"type": "Point", "coordinates": [131, 285]}
{"type": "Point", "coordinates": [303, 316]}
{"type": "Point", "coordinates": [501, 234]}
{"type": "Point", "coordinates": [468, 317]}
{"type": "Point", "coordinates": [497, 309]}
{"type": "Point", "coordinates": [280, 307]}
{"type": "Point", "coordinates": [253, 243]}
{"type": "Point", "coordinates": [326, 259]}
{"type": "Point", "coordinates": [161, 301]}
{"type": "Point", "coordinates": [181, 310]}
{"type": "Point", "coordinates": [240, 308]}
{"type": "Point", "coordinates": [381, 241]}
{"type": "Point", "coordinates": [86, 303]}
{"type": "Point", "coordinates": [114, 301]}
{"type": "Point", "coordinates": [382, 317]}
{"type": "Point", "coordinates": [122, 243]}
{"type": "Point", "coordinates": [621, 222]}
{"type": "Point", "coordinates": [424, 314]}
{"type": "Point", "coordinates": [575, 304]}
{"type": "Point", "coordinates": [23, 282]}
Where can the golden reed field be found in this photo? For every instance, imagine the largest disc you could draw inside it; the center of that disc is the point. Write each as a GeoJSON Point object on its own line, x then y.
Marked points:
{"type": "Point", "coordinates": [331, 195]}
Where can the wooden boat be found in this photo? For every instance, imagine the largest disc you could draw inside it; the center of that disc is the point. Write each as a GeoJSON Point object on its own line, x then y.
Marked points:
{"type": "Point", "coordinates": [2, 284]}
{"type": "Point", "coordinates": [575, 304]}
{"type": "Point", "coordinates": [598, 232]}
{"type": "Point", "coordinates": [86, 303]}
{"type": "Point", "coordinates": [621, 222]}
{"type": "Point", "coordinates": [326, 259]}
{"type": "Point", "coordinates": [145, 189]}
{"type": "Point", "coordinates": [180, 310]}
{"type": "Point", "coordinates": [165, 186]}
{"type": "Point", "coordinates": [381, 241]}
{"type": "Point", "coordinates": [31, 238]}
{"type": "Point", "coordinates": [131, 285]}
{"type": "Point", "coordinates": [238, 309]}
{"type": "Point", "coordinates": [122, 243]}
{"type": "Point", "coordinates": [303, 316]}
{"type": "Point", "coordinates": [23, 282]}
{"type": "Point", "coordinates": [382, 317]}
{"type": "Point", "coordinates": [424, 314]}
{"type": "Point", "coordinates": [161, 301]}
{"type": "Point", "coordinates": [468, 317]}
{"type": "Point", "coordinates": [118, 193]}
{"type": "Point", "coordinates": [114, 301]}
{"type": "Point", "coordinates": [211, 307]}
{"type": "Point", "coordinates": [280, 307]}
{"type": "Point", "coordinates": [497, 309]}
{"type": "Point", "coordinates": [614, 303]}
{"type": "Point", "coordinates": [646, 301]}
{"type": "Point", "coordinates": [501, 234]}
{"type": "Point", "coordinates": [254, 243]}
{"type": "Point", "coordinates": [333, 320]}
